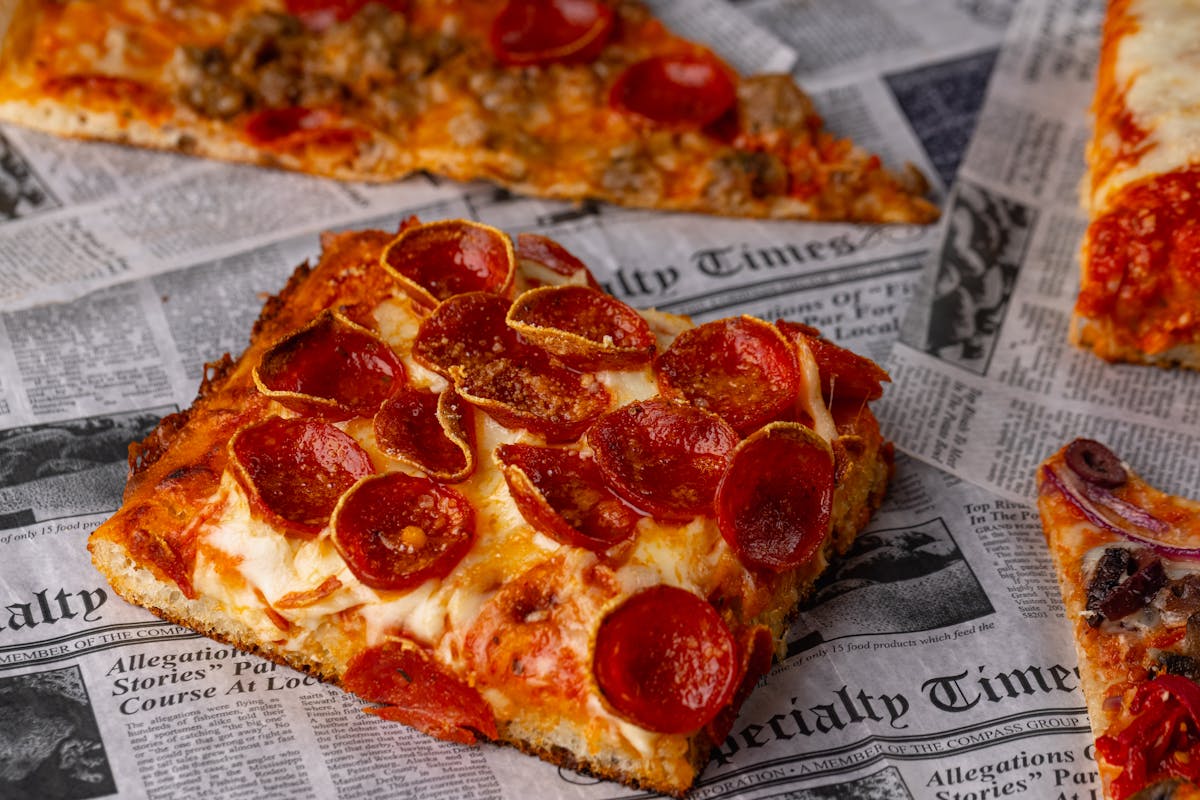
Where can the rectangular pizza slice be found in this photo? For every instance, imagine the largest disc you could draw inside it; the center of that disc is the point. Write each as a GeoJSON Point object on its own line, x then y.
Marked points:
{"type": "Point", "coordinates": [453, 476]}
{"type": "Point", "coordinates": [1139, 297]}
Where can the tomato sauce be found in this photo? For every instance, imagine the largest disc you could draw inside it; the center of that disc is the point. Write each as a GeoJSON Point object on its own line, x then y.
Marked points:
{"type": "Point", "coordinates": [1143, 263]}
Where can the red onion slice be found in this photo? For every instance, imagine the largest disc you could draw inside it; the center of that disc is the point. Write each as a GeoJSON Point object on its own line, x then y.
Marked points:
{"type": "Point", "coordinates": [1113, 514]}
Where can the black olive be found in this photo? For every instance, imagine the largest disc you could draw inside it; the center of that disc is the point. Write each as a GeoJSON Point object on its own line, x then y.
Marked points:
{"type": "Point", "coordinates": [1095, 463]}
{"type": "Point", "coordinates": [1164, 789]}
{"type": "Point", "coordinates": [1179, 664]}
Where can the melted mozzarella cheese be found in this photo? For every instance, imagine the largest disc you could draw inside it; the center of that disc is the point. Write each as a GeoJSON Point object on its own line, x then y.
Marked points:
{"type": "Point", "coordinates": [810, 394]}
{"type": "Point", "coordinates": [439, 612]}
{"type": "Point", "coordinates": [1157, 63]}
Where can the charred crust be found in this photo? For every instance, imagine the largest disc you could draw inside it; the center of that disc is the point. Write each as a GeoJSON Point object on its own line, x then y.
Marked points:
{"type": "Point", "coordinates": [275, 304]}
{"type": "Point", "coordinates": [215, 374]}
{"type": "Point", "coordinates": [147, 452]}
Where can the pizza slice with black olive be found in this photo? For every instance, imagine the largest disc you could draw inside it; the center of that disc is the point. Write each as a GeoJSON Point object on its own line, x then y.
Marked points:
{"type": "Point", "coordinates": [453, 476]}
{"type": "Point", "coordinates": [569, 99]}
{"type": "Point", "coordinates": [1128, 563]}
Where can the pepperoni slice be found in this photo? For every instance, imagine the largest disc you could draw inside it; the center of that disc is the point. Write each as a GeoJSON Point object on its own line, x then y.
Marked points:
{"type": "Point", "coordinates": [517, 384]}
{"type": "Point", "coordinates": [395, 531]}
{"type": "Point", "coordinates": [665, 660]}
{"type": "Point", "coordinates": [757, 648]}
{"type": "Point", "coordinates": [419, 692]}
{"type": "Point", "coordinates": [845, 375]}
{"type": "Point", "coordinates": [297, 127]}
{"type": "Point", "coordinates": [527, 389]}
{"type": "Point", "coordinates": [332, 368]}
{"type": "Point", "coordinates": [464, 330]}
{"type": "Point", "coordinates": [740, 368]}
{"type": "Point", "coordinates": [295, 470]}
{"type": "Point", "coordinates": [528, 32]}
{"type": "Point", "coordinates": [544, 261]}
{"type": "Point", "coordinates": [438, 260]}
{"type": "Point", "coordinates": [562, 494]}
{"type": "Point", "coordinates": [664, 457]}
{"type": "Point", "coordinates": [775, 502]}
{"type": "Point", "coordinates": [318, 15]}
{"type": "Point", "coordinates": [685, 90]}
{"type": "Point", "coordinates": [585, 327]}
{"type": "Point", "coordinates": [430, 430]}
{"type": "Point", "coordinates": [523, 639]}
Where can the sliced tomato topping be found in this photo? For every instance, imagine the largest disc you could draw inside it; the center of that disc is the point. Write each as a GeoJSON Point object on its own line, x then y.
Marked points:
{"type": "Point", "coordinates": [775, 502]}
{"type": "Point", "coordinates": [419, 692]}
{"type": "Point", "coordinates": [430, 430]}
{"type": "Point", "coordinates": [438, 260]}
{"type": "Point", "coordinates": [665, 660]}
{"type": "Point", "coordinates": [395, 531]}
{"type": "Point", "coordinates": [685, 90]}
{"type": "Point", "coordinates": [331, 368]}
{"type": "Point", "coordinates": [318, 15]}
{"type": "Point", "coordinates": [663, 456]}
{"type": "Point", "coordinates": [740, 368]}
{"type": "Point", "coordinates": [585, 327]}
{"type": "Point", "coordinates": [845, 375]}
{"type": "Point", "coordinates": [528, 32]}
{"type": "Point", "coordinates": [562, 494]}
{"type": "Point", "coordinates": [464, 330]}
{"type": "Point", "coordinates": [527, 389]}
{"type": "Point", "coordinates": [296, 470]}
{"type": "Point", "coordinates": [545, 261]}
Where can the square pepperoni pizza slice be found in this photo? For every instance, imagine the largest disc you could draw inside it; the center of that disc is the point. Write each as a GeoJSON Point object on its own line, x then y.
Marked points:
{"type": "Point", "coordinates": [453, 476]}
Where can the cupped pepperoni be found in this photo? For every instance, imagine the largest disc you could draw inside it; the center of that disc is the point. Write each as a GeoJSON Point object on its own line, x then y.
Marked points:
{"type": "Point", "coordinates": [665, 660]}
{"type": "Point", "coordinates": [526, 389]}
{"type": "Point", "coordinates": [845, 375]}
{"type": "Point", "coordinates": [464, 330]}
{"type": "Point", "coordinates": [684, 90]}
{"type": "Point", "coordinates": [544, 261]}
{"type": "Point", "coordinates": [519, 385]}
{"type": "Point", "coordinates": [395, 531]}
{"type": "Point", "coordinates": [663, 456]}
{"type": "Point", "coordinates": [419, 692]}
{"type": "Point", "coordinates": [430, 430]}
{"type": "Point", "coordinates": [438, 260]}
{"type": "Point", "coordinates": [584, 327]}
{"type": "Point", "coordinates": [757, 648]}
{"type": "Point", "coordinates": [740, 368]}
{"type": "Point", "coordinates": [529, 32]}
{"type": "Point", "coordinates": [775, 501]}
{"type": "Point", "coordinates": [332, 368]}
{"type": "Point", "coordinates": [318, 15]}
{"type": "Point", "coordinates": [296, 470]}
{"type": "Point", "coordinates": [562, 494]}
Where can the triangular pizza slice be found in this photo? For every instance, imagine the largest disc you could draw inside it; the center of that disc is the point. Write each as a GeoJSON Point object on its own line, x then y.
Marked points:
{"type": "Point", "coordinates": [1128, 563]}
{"type": "Point", "coordinates": [571, 99]}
